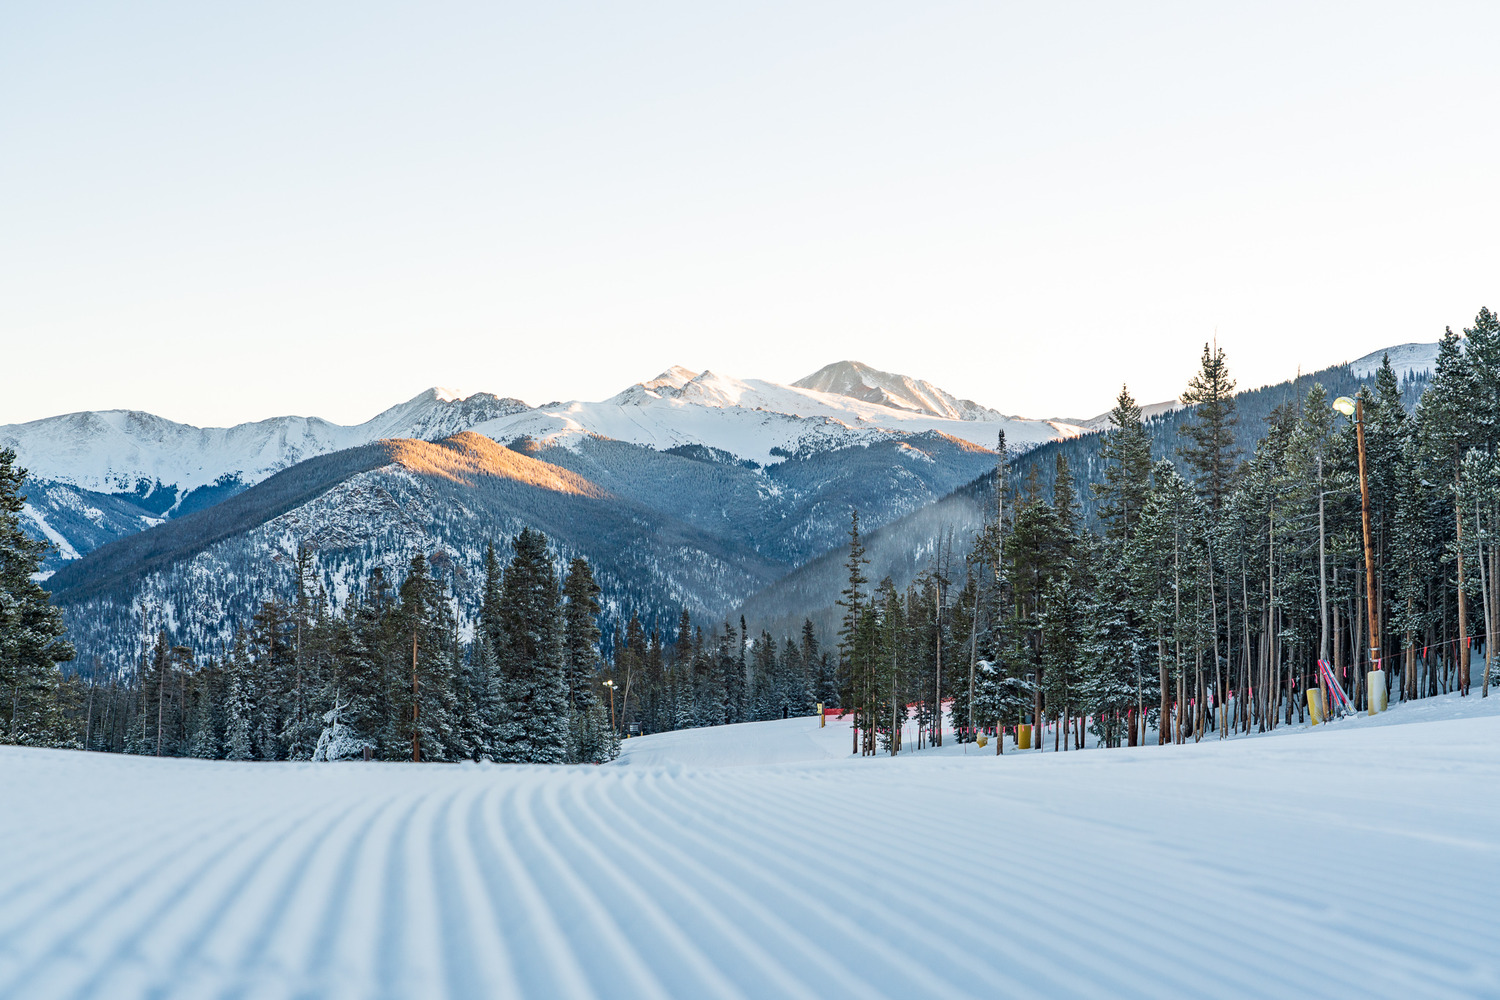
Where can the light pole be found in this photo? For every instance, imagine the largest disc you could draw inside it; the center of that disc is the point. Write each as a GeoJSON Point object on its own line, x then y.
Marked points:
{"type": "Point", "coordinates": [611, 685]}
{"type": "Point", "coordinates": [1375, 686]}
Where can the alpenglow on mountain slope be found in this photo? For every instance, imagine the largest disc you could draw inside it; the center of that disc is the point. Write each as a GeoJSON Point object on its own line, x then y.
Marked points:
{"type": "Point", "coordinates": [97, 476]}
{"type": "Point", "coordinates": [663, 529]}
{"type": "Point", "coordinates": [688, 490]}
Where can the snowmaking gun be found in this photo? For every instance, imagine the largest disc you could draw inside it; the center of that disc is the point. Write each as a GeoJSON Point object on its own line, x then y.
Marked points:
{"type": "Point", "coordinates": [1340, 699]}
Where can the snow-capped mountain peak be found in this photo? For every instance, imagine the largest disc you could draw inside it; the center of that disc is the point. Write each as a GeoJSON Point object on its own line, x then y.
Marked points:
{"type": "Point", "coordinates": [902, 392]}
{"type": "Point", "coordinates": [673, 378]}
{"type": "Point", "coordinates": [127, 451]}
{"type": "Point", "coordinates": [763, 421]}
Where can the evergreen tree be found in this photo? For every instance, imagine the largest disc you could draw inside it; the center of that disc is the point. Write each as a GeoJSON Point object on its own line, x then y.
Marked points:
{"type": "Point", "coordinates": [237, 710]}
{"type": "Point", "coordinates": [423, 722]}
{"type": "Point", "coordinates": [1125, 452]}
{"type": "Point", "coordinates": [1482, 355]}
{"type": "Point", "coordinates": [1210, 450]}
{"type": "Point", "coordinates": [853, 666]}
{"type": "Point", "coordinates": [205, 741]}
{"type": "Point", "coordinates": [531, 657]}
{"type": "Point", "coordinates": [32, 641]}
{"type": "Point", "coordinates": [766, 694]}
{"type": "Point", "coordinates": [708, 683]}
{"type": "Point", "coordinates": [581, 633]}
{"type": "Point", "coordinates": [732, 677]}
{"type": "Point", "coordinates": [368, 674]}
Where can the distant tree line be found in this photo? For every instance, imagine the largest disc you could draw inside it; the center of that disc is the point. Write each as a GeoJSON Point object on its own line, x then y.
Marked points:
{"type": "Point", "coordinates": [1199, 600]}
{"type": "Point", "coordinates": [694, 678]}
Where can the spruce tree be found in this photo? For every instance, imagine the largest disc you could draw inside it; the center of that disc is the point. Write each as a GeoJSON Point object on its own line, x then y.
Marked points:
{"type": "Point", "coordinates": [853, 689]}
{"type": "Point", "coordinates": [731, 679]}
{"type": "Point", "coordinates": [535, 730]}
{"type": "Point", "coordinates": [1125, 452]}
{"type": "Point", "coordinates": [237, 709]}
{"type": "Point", "coordinates": [581, 633]}
{"type": "Point", "coordinates": [1482, 355]}
{"type": "Point", "coordinates": [205, 741]}
{"type": "Point", "coordinates": [32, 641]}
{"type": "Point", "coordinates": [1210, 450]}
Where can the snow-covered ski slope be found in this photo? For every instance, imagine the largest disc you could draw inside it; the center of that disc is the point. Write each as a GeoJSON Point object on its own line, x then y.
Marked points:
{"type": "Point", "coordinates": [1358, 861]}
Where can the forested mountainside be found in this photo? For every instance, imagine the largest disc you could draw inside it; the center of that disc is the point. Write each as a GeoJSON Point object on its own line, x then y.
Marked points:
{"type": "Point", "coordinates": [663, 530]}
{"type": "Point", "coordinates": [1254, 406]}
{"type": "Point", "coordinates": [904, 548]}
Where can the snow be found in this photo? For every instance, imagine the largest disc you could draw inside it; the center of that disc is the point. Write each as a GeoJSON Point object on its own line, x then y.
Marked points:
{"type": "Point", "coordinates": [111, 451]}
{"type": "Point", "coordinates": [852, 378]}
{"type": "Point", "coordinates": [125, 451]}
{"type": "Point", "coordinates": [1405, 358]}
{"type": "Point", "coordinates": [843, 403]}
{"type": "Point", "coordinates": [64, 547]}
{"type": "Point", "coordinates": [756, 419]}
{"type": "Point", "coordinates": [1105, 421]}
{"type": "Point", "coordinates": [1358, 859]}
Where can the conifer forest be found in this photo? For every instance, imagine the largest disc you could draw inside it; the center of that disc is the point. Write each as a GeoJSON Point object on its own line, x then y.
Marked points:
{"type": "Point", "coordinates": [1179, 598]}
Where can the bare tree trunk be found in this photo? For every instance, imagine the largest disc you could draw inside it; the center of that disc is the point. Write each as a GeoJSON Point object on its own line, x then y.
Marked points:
{"type": "Point", "coordinates": [1484, 593]}
{"type": "Point", "coordinates": [161, 700]}
{"type": "Point", "coordinates": [1338, 634]}
{"type": "Point", "coordinates": [416, 707]}
{"type": "Point", "coordinates": [1357, 622]}
{"type": "Point", "coordinates": [1244, 695]}
{"type": "Point", "coordinates": [1198, 698]}
{"type": "Point", "coordinates": [1164, 723]}
{"type": "Point", "coordinates": [937, 677]}
{"type": "Point", "coordinates": [973, 657]}
{"type": "Point", "coordinates": [895, 728]}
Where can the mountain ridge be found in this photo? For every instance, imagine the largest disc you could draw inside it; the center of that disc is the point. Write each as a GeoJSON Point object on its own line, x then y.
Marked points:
{"type": "Point", "coordinates": [99, 475]}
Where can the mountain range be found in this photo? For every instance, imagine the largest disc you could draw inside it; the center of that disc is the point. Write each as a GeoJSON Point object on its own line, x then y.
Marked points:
{"type": "Point", "coordinates": [690, 489]}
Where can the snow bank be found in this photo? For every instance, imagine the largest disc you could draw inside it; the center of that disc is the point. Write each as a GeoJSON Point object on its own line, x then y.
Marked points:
{"type": "Point", "coordinates": [1352, 861]}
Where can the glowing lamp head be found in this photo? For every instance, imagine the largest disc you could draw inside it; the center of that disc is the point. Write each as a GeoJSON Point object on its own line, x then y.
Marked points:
{"type": "Point", "coordinates": [1344, 405]}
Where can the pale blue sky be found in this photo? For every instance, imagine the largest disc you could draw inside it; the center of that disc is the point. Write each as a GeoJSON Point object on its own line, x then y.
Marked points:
{"type": "Point", "coordinates": [225, 213]}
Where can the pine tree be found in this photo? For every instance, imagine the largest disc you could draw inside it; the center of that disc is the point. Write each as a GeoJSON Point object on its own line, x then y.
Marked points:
{"type": "Point", "coordinates": [423, 724]}
{"type": "Point", "coordinates": [205, 741]}
{"type": "Point", "coordinates": [338, 741]}
{"type": "Point", "coordinates": [368, 670]}
{"type": "Point", "coordinates": [708, 683]}
{"type": "Point", "coordinates": [581, 633]}
{"type": "Point", "coordinates": [237, 710]}
{"type": "Point", "coordinates": [272, 640]}
{"type": "Point", "coordinates": [766, 695]}
{"type": "Point", "coordinates": [1110, 651]}
{"type": "Point", "coordinates": [486, 699]}
{"type": "Point", "coordinates": [732, 679]}
{"type": "Point", "coordinates": [1159, 561]}
{"type": "Point", "coordinates": [854, 667]}
{"type": "Point", "coordinates": [1210, 451]}
{"type": "Point", "coordinates": [1482, 355]}
{"type": "Point", "coordinates": [32, 641]}
{"type": "Point", "coordinates": [531, 657]}
{"type": "Point", "coordinates": [1125, 452]}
